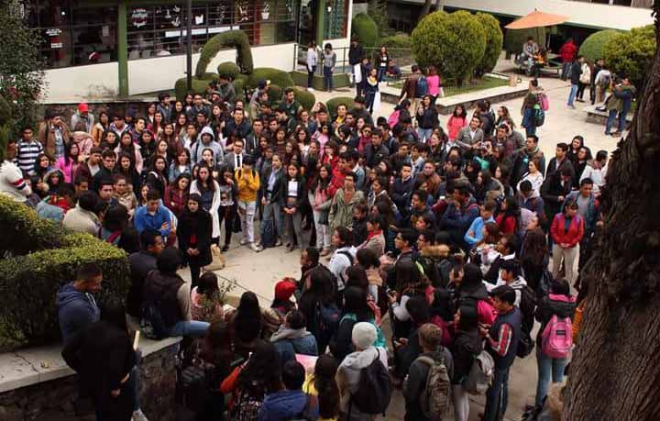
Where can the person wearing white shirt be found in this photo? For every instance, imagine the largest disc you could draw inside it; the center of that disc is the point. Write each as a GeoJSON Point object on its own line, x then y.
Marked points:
{"type": "Point", "coordinates": [312, 62]}
{"type": "Point", "coordinates": [535, 176]}
{"type": "Point", "coordinates": [596, 170]}
{"type": "Point", "coordinates": [12, 183]}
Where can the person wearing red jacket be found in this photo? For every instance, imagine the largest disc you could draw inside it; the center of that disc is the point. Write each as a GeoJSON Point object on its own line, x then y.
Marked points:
{"type": "Point", "coordinates": [567, 230]}
{"type": "Point", "coordinates": [567, 53]}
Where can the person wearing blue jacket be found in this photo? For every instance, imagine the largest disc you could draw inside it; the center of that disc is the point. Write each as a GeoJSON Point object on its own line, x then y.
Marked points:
{"type": "Point", "coordinates": [459, 215]}
{"type": "Point", "coordinates": [153, 216]}
{"type": "Point", "coordinates": [76, 307]}
{"type": "Point", "coordinates": [291, 402]}
{"type": "Point", "coordinates": [293, 338]}
{"type": "Point", "coordinates": [475, 233]}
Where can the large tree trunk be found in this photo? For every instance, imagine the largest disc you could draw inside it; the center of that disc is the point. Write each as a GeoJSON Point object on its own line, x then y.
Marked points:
{"type": "Point", "coordinates": [615, 373]}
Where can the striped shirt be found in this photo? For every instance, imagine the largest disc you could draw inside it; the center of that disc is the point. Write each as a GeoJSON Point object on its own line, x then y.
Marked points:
{"type": "Point", "coordinates": [27, 155]}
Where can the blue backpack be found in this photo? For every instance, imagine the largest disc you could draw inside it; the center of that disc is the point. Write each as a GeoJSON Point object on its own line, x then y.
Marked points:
{"type": "Point", "coordinates": [422, 87]}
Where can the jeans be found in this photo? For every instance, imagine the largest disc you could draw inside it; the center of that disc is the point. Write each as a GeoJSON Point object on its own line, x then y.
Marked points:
{"type": "Point", "coordinates": [247, 210]}
{"type": "Point", "coordinates": [611, 119]}
{"type": "Point", "coordinates": [322, 232]}
{"type": "Point", "coordinates": [580, 91]}
{"type": "Point", "coordinates": [273, 210]}
{"type": "Point", "coordinates": [547, 367]}
{"type": "Point", "coordinates": [381, 73]}
{"type": "Point", "coordinates": [528, 122]}
{"type": "Point", "coordinates": [571, 256]}
{"type": "Point", "coordinates": [497, 396]}
{"type": "Point", "coordinates": [369, 99]}
{"type": "Point", "coordinates": [424, 134]}
{"type": "Point", "coordinates": [293, 225]}
{"type": "Point", "coordinates": [327, 78]}
{"type": "Point", "coordinates": [461, 403]}
{"type": "Point", "coordinates": [571, 96]}
{"type": "Point", "coordinates": [192, 328]}
{"type": "Point", "coordinates": [566, 70]}
{"type": "Point", "coordinates": [227, 213]}
{"type": "Point", "coordinates": [310, 75]}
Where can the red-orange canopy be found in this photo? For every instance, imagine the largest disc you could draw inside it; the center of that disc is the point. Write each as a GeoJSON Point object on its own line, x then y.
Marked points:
{"type": "Point", "coordinates": [537, 19]}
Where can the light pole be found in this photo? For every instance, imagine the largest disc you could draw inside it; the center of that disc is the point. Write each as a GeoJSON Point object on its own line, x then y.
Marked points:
{"type": "Point", "coordinates": [189, 45]}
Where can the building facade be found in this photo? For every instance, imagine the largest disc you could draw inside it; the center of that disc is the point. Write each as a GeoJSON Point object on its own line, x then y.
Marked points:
{"type": "Point", "coordinates": [642, 4]}
{"type": "Point", "coordinates": [127, 47]}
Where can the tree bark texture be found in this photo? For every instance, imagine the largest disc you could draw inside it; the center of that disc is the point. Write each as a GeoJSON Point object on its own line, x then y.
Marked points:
{"type": "Point", "coordinates": [615, 372]}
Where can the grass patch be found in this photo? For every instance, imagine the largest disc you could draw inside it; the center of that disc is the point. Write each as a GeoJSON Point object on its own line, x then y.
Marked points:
{"type": "Point", "coordinates": [474, 85]}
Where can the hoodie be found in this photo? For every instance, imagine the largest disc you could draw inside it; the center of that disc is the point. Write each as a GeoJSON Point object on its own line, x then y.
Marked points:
{"type": "Point", "coordinates": [285, 405]}
{"type": "Point", "coordinates": [198, 148]}
{"type": "Point", "coordinates": [290, 342]}
{"type": "Point", "coordinates": [76, 310]}
{"type": "Point", "coordinates": [348, 378]}
{"type": "Point", "coordinates": [517, 284]}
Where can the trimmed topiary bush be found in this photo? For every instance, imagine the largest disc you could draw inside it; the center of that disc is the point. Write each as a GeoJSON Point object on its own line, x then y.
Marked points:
{"type": "Point", "coordinates": [305, 98]}
{"type": "Point", "coordinates": [514, 39]}
{"type": "Point", "coordinates": [276, 76]}
{"type": "Point", "coordinates": [29, 283]}
{"type": "Point", "coordinates": [334, 103]}
{"type": "Point", "coordinates": [235, 39]}
{"type": "Point", "coordinates": [240, 83]}
{"type": "Point", "coordinates": [454, 43]}
{"type": "Point", "coordinates": [593, 47]}
{"type": "Point", "coordinates": [494, 39]}
{"type": "Point", "coordinates": [229, 70]}
{"type": "Point", "coordinates": [631, 53]}
{"type": "Point", "coordinates": [399, 40]}
{"type": "Point", "coordinates": [198, 86]}
{"type": "Point", "coordinates": [365, 30]}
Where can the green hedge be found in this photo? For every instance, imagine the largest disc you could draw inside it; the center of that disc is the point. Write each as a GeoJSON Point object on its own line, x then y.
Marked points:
{"type": "Point", "coordinates": [632, 53]}
{"type": "Point", "coordinates": [236, 39]}
{"type": "Point", "coordinates": [494, 39]}
{"type": "Point", "coordinates": [239, 84]}
{"type": "Point", "coordinates": [593, 47]}
{"type": "Point", "coordinates": [229, 70]}
{"type": "Point", "coordinates": [276, 77]}
{"type": "Point", "coordinates": [305, 98]}
{"type": "Point", "coordinates": [365, 30]}
{"type": "Point", "coordinates": [399, 40]}
{"type": "Point", "coordinates": [514, 39]}
{"type": "Point", "coordinates": [5, 111]}
{"type": "Point", "coordinates": [29, 283]}
{"type": "Point", "coordinates": [198, 86]}
{"type": "Point", "coordinates": [334, 103]}
{"type": "Point", "coordinates": [23, 231]}
{"type": "Point", "coordinates": [274, 94]}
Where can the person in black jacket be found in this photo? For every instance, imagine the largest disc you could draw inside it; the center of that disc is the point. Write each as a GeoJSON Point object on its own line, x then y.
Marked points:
{"type": "Point", "coordinates": [104, 358]}
{"type": "Point", "coordinates": [561, 303]}
{"type": "Point", "coordinates": [576, 72]}
{"type": "Point", "coordinates": [294, 193]}
{"type": "Point", "coordinates": [467, 345]}
{"type": "Point", "coordinates": [321, 292]}
{"type": "Point", "coordinates": [194, 234]}
{"type": "Point", "coordinates": [427, 119]}
{"type": "Point", "coordinates": [355, 310]}
{"type": "Point", "coordinates": [142, 263]}
{"type": "Point", "coordinates": [554, 190]}
{"type": "Point", "coordinates": [355, 55]}
{"type": "Point", "coordinates": [272, 187]}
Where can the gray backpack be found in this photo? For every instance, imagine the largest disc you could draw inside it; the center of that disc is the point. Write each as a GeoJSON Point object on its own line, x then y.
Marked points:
{"type": "Point", "coordinates": [481, 374]}
{"type": "Point", "coordinates": [436, 398]}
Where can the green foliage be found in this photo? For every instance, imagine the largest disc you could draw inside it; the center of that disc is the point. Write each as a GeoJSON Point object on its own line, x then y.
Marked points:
{"type": "Point", "coordinates": [234, 39]}
{"type": "Point", "coordinates": [514, 39]}
{"type": "Point", "coordinates": [239, 84]}
{"type": "Point", "coordinates": [276, 76]}
{"type": "Point", "coordinates": [399, 40]}
{"type": "Point", "coordinates": [21, 66]}
{"type": "Point", "coordinates": [29, 283]}
{"type": "Point", "coordinates": [334, 103]}
{"type": "Point", "coordinates": [377, 10]}
{"type": "Point", "coordinates": [592, 47]}
{"type": "Point", "coordinates": [274, 94]}
{"type": "Point", "coordinates": [5, 111]}
{"type": "Point", "coordinates": [198, 86]}
{"type": "Point", "coordinates": [454, 43]}
{"type": "Point", "coordinates": [305, 98]}
{"type": "Point", "coordinates": [229, 70]}
{"type": "Point", "coordinates": [494, 38]}
{"type": "Point", "coordinates": [365, 30]}
{"type": "Point", "coordinates": [632, 53]}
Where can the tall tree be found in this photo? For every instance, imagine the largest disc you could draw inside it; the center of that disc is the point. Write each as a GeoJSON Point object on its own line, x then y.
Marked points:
{"type": "Point", "coordinates": [21, 67]}
{"type": "Point", "coordinates": [615, 373]}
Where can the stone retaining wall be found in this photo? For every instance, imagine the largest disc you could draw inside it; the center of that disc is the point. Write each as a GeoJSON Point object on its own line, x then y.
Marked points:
{"type": "Point", "coordinates": [58, 400]}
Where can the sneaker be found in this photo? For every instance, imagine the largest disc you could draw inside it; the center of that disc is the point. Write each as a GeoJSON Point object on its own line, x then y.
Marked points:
{"type": "Point", "coordinates": [139, 416]}
{"type": "Point", "coordinates": [225, 248]}
{"type": "Point", "coordinates": [255, 247]}
{"type": "Point", "coordinates": [278, 243]}
{"type": "Point", "coordinates": [243, 241]}
{"type": "Point", "coordinates": [572, 107]}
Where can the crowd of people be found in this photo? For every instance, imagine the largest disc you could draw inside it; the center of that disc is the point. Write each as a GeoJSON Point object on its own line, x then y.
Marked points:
{"type": "Point", "coordinates": [445, 232]}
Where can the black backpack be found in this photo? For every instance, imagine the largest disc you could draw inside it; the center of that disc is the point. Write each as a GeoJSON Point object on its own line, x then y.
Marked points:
{"type": "Point", "coordinates": [527, 307]}
{"type": "Point", "coordinates": [374, 390]}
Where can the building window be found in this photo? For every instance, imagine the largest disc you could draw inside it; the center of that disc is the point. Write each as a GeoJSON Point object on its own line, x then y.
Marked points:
{"type": "Point", "coordinates": [73, 34]}
{"type": "Point", "coordinates": [336, 15]}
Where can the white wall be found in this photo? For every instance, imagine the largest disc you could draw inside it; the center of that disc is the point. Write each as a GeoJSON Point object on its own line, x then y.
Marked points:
{"type": "Point", "coordinates": [74, 83]}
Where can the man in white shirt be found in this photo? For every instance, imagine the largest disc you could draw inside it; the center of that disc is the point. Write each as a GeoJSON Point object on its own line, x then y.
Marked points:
{"type": "Point", "coordinates": [12, 183]}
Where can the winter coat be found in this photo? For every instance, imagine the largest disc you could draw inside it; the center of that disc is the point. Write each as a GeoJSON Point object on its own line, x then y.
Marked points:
{"type": "Point", "coordinates": [591, 217]}
{"type": "Point", "coordinates": [171, 296]}
{"type": "Point", "coordinates": [80, 220]}
{"type": "Point", "coordinates": [551, 189]}
{"type": "Point", "coordinates": [47, 137]}
{"type": "Point", "coordinates": [621, 99]}
{"type": "Point", "coordinates": [429, 118]}
{"type": "Point", "coordinates": [289, 342]}
{"type": "Point", "coordinates": [568, 52]}
{"type": "Point", "coordinates": [465, 140]}
{"type": "Point", "coordinates": [174, 201]}
{"type": "Point", "coordinates": [247, 187]}
{"type": "Point", "coordinates": [375, 243]}
{"type": "Point", "coordinates": [415, 386]}
{"type": "Point", "coordinates": [196, 152]}
{"type": "Point", "coordinates": [553, 304]}
{"type": "Point", "coordinates": [572, 236]}
{"type": "Point", "coordinates": [76, 310]}
{"type": "Point", "coordinates": [466, 347]}
{"type": "Point", "coordinates": [141, 263]}
{"type": "Point", "coordinates": [348, 378]}
{"type": "Point", "coordinates": [284, 405]}
{"type": "Point", "coordinates": [194, 231]}
{"type": "Point", "coordinates": [454, 126]}
{"type": "Point", "coordinates": [215, 205]}
{"type": "Point", "coordinates": [341, 213]}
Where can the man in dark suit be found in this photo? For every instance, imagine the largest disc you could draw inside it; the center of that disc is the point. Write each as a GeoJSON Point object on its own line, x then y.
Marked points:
{"type": "Point", "coordinates": [234, 159]}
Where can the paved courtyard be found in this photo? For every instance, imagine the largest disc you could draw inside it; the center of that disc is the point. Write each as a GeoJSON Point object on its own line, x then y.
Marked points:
{"type": "Point", "coordinates": [259, 272]}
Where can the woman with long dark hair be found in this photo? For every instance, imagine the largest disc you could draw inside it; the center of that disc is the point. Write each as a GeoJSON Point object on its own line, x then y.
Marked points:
{"type": "Point", "coordinates": [320, 292]}
{"type": "Point", "coordinates": [69, 163]}
{"type": "Point", "coordinates": [157, 176]}
{"type": "Point", "coordinates": [194, 235]}
{"type": "Point", "coordinates": [323, 387]}
{"type": "Point", "coordinates": [176, 194]}
{"type": "Point", "coordinates": [125, 166]}
{"type": "Point", "coordinates": [509, 218]}
{"type": "Point", "coordinates": [100, 127]}
{"type": "Point", "coordinates": [180, 165]}
{"type": "Point", "coordinates": [467, 345]}
{"type": "Point", "coordinates": [294, 196]}
{"type": "Point", "coordinates": [355, 310]}
{"type": "Point", "coordinates": [228, 204]}
{"type": "Point", "coordinates": [126, 145]}
{"type": "Point", "coordinates": [534, 257]}
{"type": "Point", "coordinates": [247, 324]}
{"type": "Point", "coordinates": [209, 190]}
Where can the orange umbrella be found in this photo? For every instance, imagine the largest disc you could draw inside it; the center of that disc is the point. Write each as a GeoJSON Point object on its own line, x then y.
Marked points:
{"type": "Point", "coordinates": [537, 19]}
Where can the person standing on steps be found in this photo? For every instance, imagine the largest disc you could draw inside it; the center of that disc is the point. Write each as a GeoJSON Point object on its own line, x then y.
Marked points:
{"type": "Point", "coordinates": [355, 56]}
{"type": "Point", "coordinates": [329, 63]}
{"type": "Point", "coordinates": [312, 62]}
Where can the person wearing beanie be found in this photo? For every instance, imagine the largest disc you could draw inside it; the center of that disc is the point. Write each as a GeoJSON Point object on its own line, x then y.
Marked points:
{"type": "Point", "coordinates": [83, 116]}
{"type": "Point", "coordinates": [348, 375]}
{"type": "Point", "coordinates": [170, 296]}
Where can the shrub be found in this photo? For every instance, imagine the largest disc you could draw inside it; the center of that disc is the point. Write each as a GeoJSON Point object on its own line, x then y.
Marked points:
{"type": "Point", "coordinates": [334, 103]}
{"type": "Point", "coordinates": [377, 10]}
{"type": "Point", "coordinates": [494, 38]}
{"type": "Point", "coordinates": [24, 231]}
{"type": "Point", "coordinates": [400, 40]}
{"type": "Point", "coordinates": [29, 283]}
{"type": "Point", "coordinates": [365, 30]}
{"type": "Point", "coordinates": [229, 70]}
{"type": "Point", "coordinates": [454, 43]}
{"type": "Point", "coordinates": [514, 39]}
{"type": "Point", "coordinates": [236, 39]}
{"type": "Point", "coordinates": [592, 48]}
{"type": "Point", "coordinates": [240, 83]}
{"type": "Point", "coordinates": [198, 86]}
{"type": "Point", "coordinates": [305, 98]}
{"type": "Point", "coordinates": [5, 111]}
{"type": "Point", "coordinates": [274, 94]}
{"type": "Point", "coordinates": [276, 76]}
{"type": "Point", "coordinates": [632, 53]}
